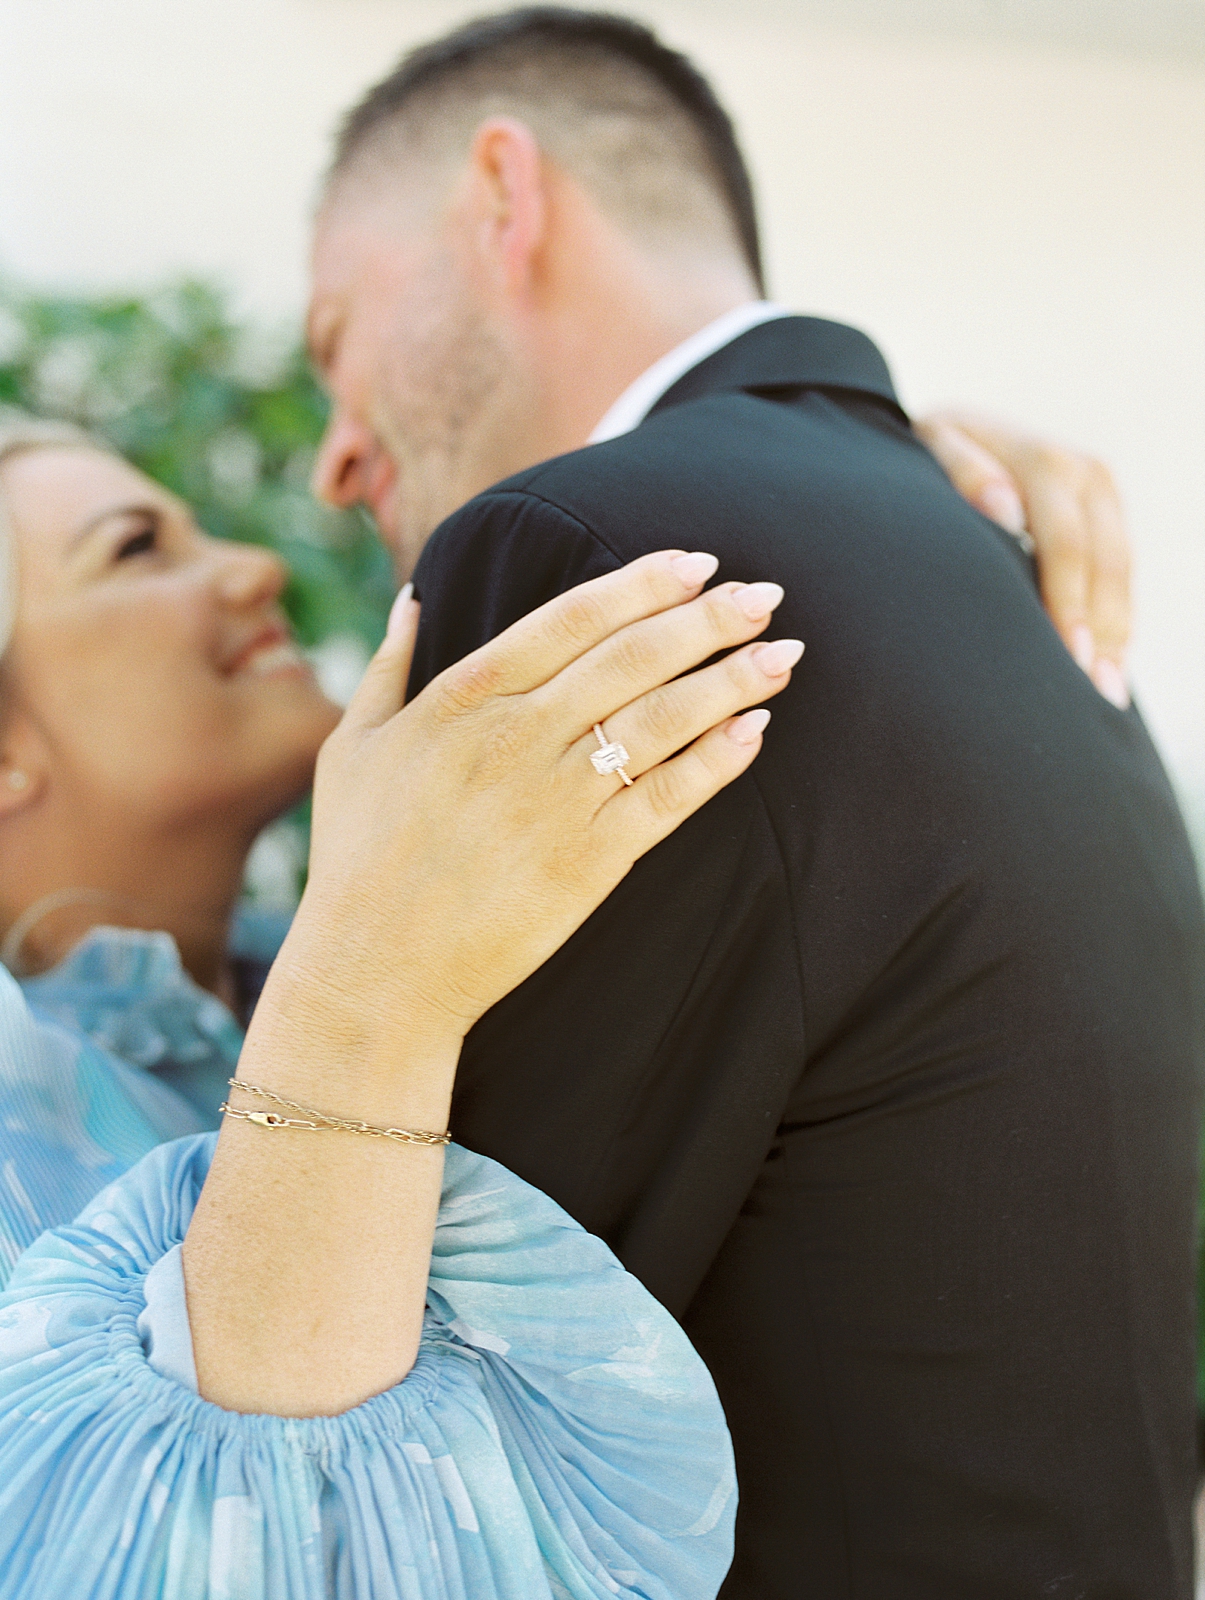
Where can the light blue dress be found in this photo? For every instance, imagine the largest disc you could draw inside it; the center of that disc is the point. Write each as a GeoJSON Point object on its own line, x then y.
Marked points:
{"type": "Point", "coordinates": [557, 1439]}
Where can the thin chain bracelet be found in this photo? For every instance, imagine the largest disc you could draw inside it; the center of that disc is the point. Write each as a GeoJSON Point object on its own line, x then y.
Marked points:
{"type": "Point", "coordinates": [322, 1122]}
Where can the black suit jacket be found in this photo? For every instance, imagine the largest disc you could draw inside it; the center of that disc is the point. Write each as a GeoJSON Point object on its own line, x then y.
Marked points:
{"type": "Point", "coordinates": [883, 1073]}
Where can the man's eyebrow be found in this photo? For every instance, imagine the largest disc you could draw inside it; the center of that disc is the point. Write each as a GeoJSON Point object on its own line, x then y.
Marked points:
{"type": "Point", "coordinates": [126, 509]}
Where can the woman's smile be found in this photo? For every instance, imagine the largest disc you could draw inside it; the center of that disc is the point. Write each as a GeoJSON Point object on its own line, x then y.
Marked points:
{"type": "Point", "coordinates": [270, 651]}
{"type": "Point", "coordinates": [271, 659]}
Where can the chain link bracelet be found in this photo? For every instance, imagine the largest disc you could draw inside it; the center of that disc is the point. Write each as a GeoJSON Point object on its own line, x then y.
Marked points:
{"type": "Point", "coordinates": [319, 1121]}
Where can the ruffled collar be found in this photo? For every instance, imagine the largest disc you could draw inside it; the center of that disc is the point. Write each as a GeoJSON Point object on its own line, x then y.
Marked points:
{"type": "Point", "coordinates": [127, 990]}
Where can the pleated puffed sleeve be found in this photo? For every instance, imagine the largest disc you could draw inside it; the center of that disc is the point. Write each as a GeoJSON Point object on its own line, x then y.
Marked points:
{"type": "Point", "coordinates": [557, 1439]}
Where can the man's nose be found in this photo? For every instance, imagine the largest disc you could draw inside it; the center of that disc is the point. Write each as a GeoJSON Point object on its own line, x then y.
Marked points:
{"type": "Point", "coordinates": [344, 455]}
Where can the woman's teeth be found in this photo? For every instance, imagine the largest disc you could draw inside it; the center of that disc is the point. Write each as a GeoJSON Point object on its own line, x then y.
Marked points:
{"type": "Point", "coordinates": [274, 657]}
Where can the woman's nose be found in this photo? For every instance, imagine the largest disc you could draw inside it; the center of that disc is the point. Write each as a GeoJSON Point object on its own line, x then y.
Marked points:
{"type": "Point", "coordinates": [249, 575]}
{"type": "Point", "coordinates": [344, 457]}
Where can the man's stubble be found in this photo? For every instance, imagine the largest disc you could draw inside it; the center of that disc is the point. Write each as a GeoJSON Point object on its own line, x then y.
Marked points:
{"type": "Point", "coordinates": [449, 411]}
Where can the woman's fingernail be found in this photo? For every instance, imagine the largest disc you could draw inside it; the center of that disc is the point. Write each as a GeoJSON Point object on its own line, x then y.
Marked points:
{"type": "Point", "coordinates": [749, 727]}
{"type": "Point", "coordinates": [757, 600]}
{"type": "Point", "coordinates": [1109, 679]}
{"type": "Point", "coordinates": [1002, 503]}
{"type": "Point", "coordinates": [695, 569]}
{"type": "Point", "coordinates": [398, 610]}
{"type": "Point", "coordinates": [779, 657]}
{"type": "Point", "coordinates": [1083, 647]}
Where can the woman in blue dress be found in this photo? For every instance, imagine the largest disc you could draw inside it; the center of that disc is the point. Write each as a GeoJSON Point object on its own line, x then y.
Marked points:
{"type": "Point", "coordinates": [322, 1352]}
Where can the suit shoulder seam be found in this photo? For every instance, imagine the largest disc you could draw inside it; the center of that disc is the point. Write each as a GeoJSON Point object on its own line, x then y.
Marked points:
{"type": "Point", "coordinates": [552, 505]}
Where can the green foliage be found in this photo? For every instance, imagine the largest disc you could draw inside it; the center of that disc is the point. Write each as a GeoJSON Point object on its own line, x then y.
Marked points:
{"type": "Point", "coordinates": [225, 417]}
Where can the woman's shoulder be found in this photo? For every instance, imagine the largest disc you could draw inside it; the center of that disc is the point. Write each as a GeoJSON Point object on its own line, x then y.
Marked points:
{"type": "Point", "coordinates": [127, 990]}
{"type": "Point", "coordinates": [72, 1117]}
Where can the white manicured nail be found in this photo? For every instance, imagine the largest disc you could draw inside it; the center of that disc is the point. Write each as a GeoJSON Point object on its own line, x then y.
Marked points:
{"type": "Point", "coordinates": [749, 727]}
{"type": "Point", "coordinates": [397, 611]}
{"type": "Point", "coordinates": [1110, 681]}
{"type": "Point", "coordinates": [779, 657]}
{"type": "Point", "coordinates": [1083, 647]}
{"type": "Point", "coordinates": [757, 600]}
{"type": "Point", "coordinates": [1002, 503]}
{"type": "Point", "coordinates": [694, 570]}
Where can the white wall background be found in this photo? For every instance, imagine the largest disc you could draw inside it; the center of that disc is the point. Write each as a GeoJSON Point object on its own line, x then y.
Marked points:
{"type": "Point", "coordinates": [1009, 196]}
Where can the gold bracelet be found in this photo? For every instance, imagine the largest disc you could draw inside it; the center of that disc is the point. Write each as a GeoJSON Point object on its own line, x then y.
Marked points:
{"type": "Point", "coordinates": [272, 1119]}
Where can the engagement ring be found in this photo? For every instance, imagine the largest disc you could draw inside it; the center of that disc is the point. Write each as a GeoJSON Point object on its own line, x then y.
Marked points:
{"type": "Point", "coordinates": [609, 757]}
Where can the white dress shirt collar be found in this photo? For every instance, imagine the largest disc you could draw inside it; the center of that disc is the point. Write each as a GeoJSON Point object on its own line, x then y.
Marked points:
{"type": "Point", "coordinates": [639, 398]}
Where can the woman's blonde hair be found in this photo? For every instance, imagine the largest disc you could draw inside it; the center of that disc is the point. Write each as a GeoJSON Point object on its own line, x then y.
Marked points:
{"type": "Point", "coordinates": [19, 432]}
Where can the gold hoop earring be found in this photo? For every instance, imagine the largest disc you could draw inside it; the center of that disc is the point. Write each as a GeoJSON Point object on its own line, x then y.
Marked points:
{"type": "Point", "coordinates": [10, 949]}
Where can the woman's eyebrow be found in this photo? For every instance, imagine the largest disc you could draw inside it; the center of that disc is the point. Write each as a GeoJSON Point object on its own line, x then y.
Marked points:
{"type": "Point", "coordinates": [131, 509]}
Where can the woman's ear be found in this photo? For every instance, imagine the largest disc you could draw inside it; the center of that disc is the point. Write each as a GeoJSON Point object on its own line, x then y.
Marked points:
{"type": "Point", "coordinates": [23, 767]}
{"type": "Point", "coordinates": [507, 169]}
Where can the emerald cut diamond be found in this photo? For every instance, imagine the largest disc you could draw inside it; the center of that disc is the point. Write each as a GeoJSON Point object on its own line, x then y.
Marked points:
{"type": "Point", "coordinates": [609, 759]}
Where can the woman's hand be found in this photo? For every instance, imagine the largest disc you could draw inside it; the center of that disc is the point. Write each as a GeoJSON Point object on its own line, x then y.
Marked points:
{"type": "Point", "coordinates": [1069, 505]}
{"type": "Point", "coordinates": [457, 843]}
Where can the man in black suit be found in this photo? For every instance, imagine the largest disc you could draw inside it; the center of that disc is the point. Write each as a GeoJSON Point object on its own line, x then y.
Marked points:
{"type": "Point", "coordinates": [884, 1072]}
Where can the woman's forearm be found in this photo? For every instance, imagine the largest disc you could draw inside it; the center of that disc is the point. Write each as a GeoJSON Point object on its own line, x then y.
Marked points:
{"type": "Point", "coordinates": [306, 1261]}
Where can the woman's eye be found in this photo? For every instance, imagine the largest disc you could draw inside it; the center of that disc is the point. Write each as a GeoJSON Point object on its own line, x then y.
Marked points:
{"type": "Point", "coordinates": [137, 544]}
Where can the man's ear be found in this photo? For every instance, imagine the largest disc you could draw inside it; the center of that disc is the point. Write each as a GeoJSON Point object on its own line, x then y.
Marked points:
{"type": "Point", "coordinates": [507, 167]}
{"type": "Point", "coordinates": [24, 771]}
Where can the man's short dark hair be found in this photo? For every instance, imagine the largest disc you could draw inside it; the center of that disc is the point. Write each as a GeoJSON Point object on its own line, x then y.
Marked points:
{"type": "Point", "coordinates": [638, 109]}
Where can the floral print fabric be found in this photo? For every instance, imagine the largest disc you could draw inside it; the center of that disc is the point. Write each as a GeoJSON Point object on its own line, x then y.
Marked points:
{"type": "Point", "coordinates": [557, 1439]}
